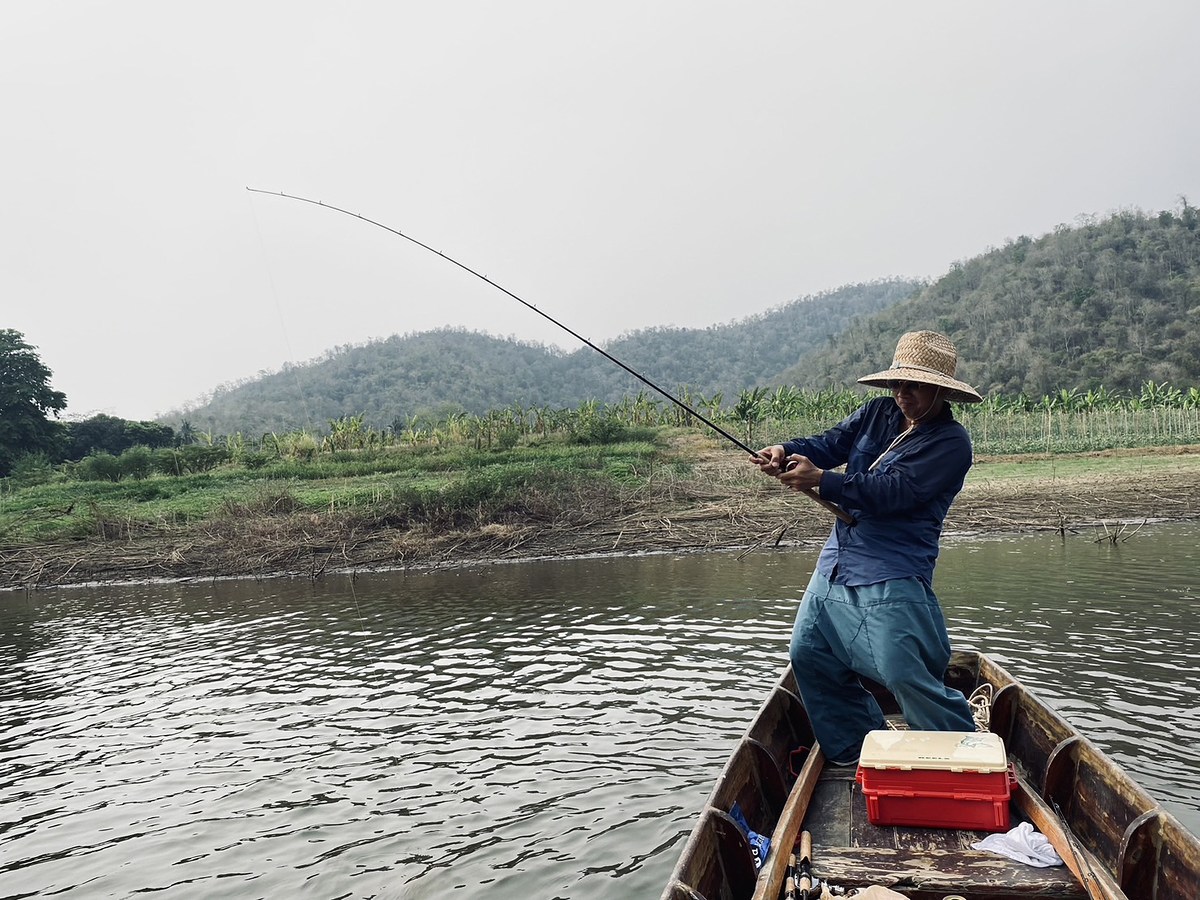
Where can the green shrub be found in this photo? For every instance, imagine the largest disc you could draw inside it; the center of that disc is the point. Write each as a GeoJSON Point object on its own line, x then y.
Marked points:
{"type": "Point", "coordinates": [507, 438]}
{"type": "Point", "coordinates": [198, 458]}
{"type": "Point", "coordinates": [136, 462]}
{"type": "Point", "coordinates": [169, 462]}
{"type": "Point", "coordinates": [603, 430]}
{"type": "Point", "coordinates": [32, 469]}
{"type": "Point", "coordinates": [254, 460]}
{"type": "Point", "coordinates": [99, 467]}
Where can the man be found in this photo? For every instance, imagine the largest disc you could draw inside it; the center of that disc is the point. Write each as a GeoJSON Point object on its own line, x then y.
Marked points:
{"type": "Point", "coordinates": [869, 608]}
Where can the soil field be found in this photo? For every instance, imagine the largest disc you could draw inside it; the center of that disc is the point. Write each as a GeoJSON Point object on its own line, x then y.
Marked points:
{"type": "Point", "coordinates": [722, 504]}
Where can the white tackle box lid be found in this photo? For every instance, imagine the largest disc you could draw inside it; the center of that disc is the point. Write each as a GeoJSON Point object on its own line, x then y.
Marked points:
{"type": "Point", "coordinates": [949, 751]}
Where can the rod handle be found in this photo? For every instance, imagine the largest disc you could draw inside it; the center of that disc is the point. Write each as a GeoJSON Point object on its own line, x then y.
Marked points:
{"type": "Point", "coordinates": [832, 507]}
{"type": "Point", "coordinates": [805, 867]}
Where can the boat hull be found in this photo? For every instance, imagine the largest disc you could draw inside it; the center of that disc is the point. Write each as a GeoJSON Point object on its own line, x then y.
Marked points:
{"type": "Point", "coordinates": [1116, 840]}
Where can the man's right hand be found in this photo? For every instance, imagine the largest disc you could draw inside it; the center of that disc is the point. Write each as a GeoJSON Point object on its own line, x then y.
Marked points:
{"type": "Point", "coordinates": [770, 460]}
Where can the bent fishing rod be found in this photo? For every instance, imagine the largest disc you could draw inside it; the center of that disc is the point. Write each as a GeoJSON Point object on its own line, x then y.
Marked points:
{"type": "Point", "coordinates": [833, 508]}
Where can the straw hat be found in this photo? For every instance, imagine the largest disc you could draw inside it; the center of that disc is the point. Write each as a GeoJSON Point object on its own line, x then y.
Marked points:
{"type": "Point", "coordinates": [927, 357]}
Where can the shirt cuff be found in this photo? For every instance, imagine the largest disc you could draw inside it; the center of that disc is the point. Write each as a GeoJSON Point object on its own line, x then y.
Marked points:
{"type": "Point", "coordinates": [831, 485]}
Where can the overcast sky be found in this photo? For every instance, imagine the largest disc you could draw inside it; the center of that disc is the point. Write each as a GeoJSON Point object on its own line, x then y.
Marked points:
{"type": "Point", "coordinates": [620, 165]}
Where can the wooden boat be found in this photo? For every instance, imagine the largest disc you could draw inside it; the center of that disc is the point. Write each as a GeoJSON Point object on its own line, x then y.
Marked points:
{"type": "Point", "coordinates": [1117, 842]}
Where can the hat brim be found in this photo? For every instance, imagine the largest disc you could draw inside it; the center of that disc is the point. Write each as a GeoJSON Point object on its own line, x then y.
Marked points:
{"type": "Point", "coordinates": [955, 391]}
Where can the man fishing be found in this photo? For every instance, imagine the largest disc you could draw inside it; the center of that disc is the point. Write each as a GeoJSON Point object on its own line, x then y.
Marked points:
{"type": "Point", "coordinates": [869, 608]}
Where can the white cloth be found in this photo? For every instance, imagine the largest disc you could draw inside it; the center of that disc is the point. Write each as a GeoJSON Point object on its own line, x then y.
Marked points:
{"type": "Point", "coordinates": [1022, 844]}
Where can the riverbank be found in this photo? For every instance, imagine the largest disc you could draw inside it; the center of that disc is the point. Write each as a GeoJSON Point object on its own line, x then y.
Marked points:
{"type": "Point", "coordinates": [721, 503]}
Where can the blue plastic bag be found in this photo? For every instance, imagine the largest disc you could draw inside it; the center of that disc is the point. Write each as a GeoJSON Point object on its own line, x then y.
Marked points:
{"type": "Point", "coordinates": [760, 844]}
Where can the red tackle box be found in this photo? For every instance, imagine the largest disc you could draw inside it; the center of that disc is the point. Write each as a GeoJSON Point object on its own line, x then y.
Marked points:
{"type": "Point", "coordinates": [936, 779]}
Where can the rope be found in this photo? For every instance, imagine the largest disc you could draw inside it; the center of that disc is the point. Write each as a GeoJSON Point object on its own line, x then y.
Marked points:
{"type": "Point", "coordinates": [892, 446]}
{"type": "Point", "coordinates": [980, 702]}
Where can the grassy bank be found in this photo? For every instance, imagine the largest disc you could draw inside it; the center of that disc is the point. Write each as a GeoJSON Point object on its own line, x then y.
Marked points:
{"type": "Point", "coordinates": [431, 487]}
{"type": "Point", "coordinates": [656, 489]}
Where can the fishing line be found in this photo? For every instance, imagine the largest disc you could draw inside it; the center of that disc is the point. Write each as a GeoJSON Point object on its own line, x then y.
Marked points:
{"type": "Point", "coordinates": [833, 508]}
{"type": "Point", "coordinates": [354, 595]}
{"type": "Point", "coordinates": [279, 312]}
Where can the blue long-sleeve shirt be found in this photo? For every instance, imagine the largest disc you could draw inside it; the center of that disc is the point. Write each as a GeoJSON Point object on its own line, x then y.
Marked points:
{"type": "Point", "coordinates": [899, 507]}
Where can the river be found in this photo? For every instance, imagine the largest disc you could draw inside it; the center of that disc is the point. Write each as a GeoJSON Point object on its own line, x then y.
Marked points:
{"type": "Point", "coordinates": [537, 730]}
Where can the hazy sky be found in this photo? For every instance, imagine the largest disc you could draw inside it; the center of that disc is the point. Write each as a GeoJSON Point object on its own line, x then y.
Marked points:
{"type": "Point", "coordinates": [621, 165]}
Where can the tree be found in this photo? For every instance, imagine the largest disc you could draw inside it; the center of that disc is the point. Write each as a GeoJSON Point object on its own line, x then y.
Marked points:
{"type": "Point", "coordinates": [26, 401]}
{"type": "Point", "coordinates": [111, 434]}
{"type": "Point", "coordinates": [99, 434]}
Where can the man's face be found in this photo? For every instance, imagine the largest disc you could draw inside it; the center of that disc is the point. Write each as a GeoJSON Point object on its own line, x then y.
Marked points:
{"type": "Point", "coordinates": [915, 399]}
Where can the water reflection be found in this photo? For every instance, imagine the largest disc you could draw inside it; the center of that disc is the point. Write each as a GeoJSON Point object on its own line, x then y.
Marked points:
{"type": "Point", "coordinates": [1113, 632]}
{"type": "Point", "coordinates": [538, 729]}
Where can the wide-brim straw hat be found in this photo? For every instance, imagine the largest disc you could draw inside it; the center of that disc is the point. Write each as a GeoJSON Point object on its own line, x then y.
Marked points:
{"type": "Point", "coordinates": [927, 357]}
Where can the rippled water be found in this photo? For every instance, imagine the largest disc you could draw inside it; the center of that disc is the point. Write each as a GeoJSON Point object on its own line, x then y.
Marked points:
{"type": "Point", "coordinates": [536, 730]}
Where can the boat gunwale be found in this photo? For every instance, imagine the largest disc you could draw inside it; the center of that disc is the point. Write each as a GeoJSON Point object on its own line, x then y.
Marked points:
{"type": "Point", "coordinates": [1148, 849]}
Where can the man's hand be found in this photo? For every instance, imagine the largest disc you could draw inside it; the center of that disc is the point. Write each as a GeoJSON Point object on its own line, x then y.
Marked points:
{"type": "Point", "coordinates": [800, 474]}
{"type": "Point", "coordinates": [769, 460]}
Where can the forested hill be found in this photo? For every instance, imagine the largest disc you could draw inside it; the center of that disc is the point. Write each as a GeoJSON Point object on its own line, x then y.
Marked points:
{"type": "Point", "coordinates": [435, 373]}
{"type": "Point", "coordinates": [1112, 303]}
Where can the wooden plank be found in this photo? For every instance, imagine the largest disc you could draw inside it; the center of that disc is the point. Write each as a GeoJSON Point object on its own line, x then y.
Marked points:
{"type": "Point", "coordinates": [1141, 860]}
{"type": "Point", "coordinates": [828, 818]}
{"type": "Point", "coordinates": [1096, 882]}
{"type": "Point", "coordinates": [963, 672]}
{"type": "Point", "coordinates": [864, 834]}
{"type": "Point", "coordinates": [1036, 733]}
{"type": "Point", "coordinates": [938, 873]}
{"type": "Point", "coordinates": [774, 871]}
{"type": "Point", "coordinates": [711, 864]}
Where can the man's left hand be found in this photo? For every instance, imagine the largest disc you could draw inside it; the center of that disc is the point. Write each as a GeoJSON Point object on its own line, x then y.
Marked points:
{"type": "Point", "coordinates": [801, 474]}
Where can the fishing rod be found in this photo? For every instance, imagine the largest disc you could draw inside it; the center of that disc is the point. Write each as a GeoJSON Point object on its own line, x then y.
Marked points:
{"type": "Point", "coordinates": [833, 508]}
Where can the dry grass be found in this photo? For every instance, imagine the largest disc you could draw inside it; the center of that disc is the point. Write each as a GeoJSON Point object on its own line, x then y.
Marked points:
{"type": "Point", "coordinates": [722, 503]}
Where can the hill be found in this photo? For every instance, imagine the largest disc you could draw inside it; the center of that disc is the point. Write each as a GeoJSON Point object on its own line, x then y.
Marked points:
{"type": "Point", "coordinates": [435, 373]}
{"type": "Point", "coordinates": [1111, 303]}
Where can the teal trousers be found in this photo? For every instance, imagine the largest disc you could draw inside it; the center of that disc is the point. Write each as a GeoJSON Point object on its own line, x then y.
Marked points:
{"type": "Point", "coordinates": [892, 632]}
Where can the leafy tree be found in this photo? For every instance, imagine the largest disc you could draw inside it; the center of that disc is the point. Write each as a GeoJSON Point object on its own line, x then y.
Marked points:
{"type": "Point", "coordinates": [149, 434]}
{"type": "Point", "coordinates": [99, 434]}
{"type": "Point", "coordinates": [111, 434]}
{"type": "Point", "coordinates": [26, 401]}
